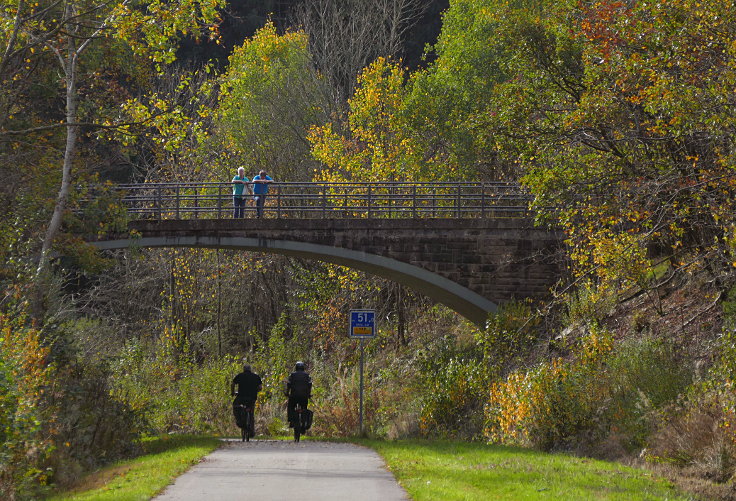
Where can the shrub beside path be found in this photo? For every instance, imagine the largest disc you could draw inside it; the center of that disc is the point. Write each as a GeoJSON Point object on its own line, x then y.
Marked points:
{"type": "Point", "coordinates": [273, 469]}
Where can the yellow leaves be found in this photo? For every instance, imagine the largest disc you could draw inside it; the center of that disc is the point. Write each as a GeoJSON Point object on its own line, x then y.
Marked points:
{"type": "Point", "coordinates": [25, 356]}
{"type": "Point", "coordinates": [154, 30]}
{"type": "Point", "coordinates": [268, 50]}
{"type": "Point", "coordinates": [379, 145]}
{"type": "Point", "coordinates": [513, 402]}
{"type": "Point", "coordinates": [619, 257]}
{"type": "Point", "coordinates": [551, 397]}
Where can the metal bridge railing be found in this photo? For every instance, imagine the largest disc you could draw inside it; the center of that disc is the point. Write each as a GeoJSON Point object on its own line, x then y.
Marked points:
{"type": "Point", "coordinates": [328, 200]}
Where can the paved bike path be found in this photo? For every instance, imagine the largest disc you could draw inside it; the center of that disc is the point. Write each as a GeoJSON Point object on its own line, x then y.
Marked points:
{"type": "Point", "coordinates": [281, 470]}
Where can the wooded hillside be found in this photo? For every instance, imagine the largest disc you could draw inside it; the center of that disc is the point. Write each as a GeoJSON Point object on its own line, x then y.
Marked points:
{"type": "Point", "coordinates": [618, 117]}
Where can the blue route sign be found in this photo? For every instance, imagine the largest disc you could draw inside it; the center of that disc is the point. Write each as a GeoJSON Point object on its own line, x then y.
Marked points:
{"type": "Point", "coordinates": [362, 323]}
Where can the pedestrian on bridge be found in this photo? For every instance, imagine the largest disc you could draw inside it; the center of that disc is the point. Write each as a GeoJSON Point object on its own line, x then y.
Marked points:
{"type": "Point", "coordinates": [240, 184]}
{"type": "Point", "coordinates": [260, 188]}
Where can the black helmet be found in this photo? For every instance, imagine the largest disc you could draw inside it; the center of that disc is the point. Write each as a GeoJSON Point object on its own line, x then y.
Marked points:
{"type": "Point", "coordinates": [246, 368]}
{"type": "Point", "coordinates": [300, 366]}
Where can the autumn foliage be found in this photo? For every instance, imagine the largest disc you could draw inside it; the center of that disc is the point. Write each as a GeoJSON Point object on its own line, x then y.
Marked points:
{"type": "Point", "coordinates": [618, 117]}
{"type": "Point", "coordinates": [25, 375]}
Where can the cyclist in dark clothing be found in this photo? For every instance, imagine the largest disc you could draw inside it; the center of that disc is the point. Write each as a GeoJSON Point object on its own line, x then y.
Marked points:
{"type": "Point", "coordinates": [299, 390]}
{"type": "Point", "coordinates": [249, 384]}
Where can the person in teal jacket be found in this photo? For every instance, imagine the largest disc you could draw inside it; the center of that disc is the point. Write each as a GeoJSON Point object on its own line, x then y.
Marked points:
{"type": "Point", "coordinates": [240, 184]}
{"type": "Point", "coordinates": [260, 188]}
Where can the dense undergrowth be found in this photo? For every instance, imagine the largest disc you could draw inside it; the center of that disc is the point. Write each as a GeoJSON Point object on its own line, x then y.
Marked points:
{"type": "Point", "coordinates": [627, 384]}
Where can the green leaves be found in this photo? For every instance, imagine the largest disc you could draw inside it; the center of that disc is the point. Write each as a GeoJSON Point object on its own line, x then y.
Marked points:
{"type": "Point", "coordinates": [271, 96]}
{"type": "Point", "coordinates": [639, 149]}
{"type": "Point", "coordinates": [152, 27]}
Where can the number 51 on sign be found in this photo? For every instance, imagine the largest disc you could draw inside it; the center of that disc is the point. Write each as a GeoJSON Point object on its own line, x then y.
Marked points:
{"type": "Point", "coordinates": [362, 324]}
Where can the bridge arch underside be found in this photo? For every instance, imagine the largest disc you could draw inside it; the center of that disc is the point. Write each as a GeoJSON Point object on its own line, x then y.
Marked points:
{"type": "Point", "coordinates": [467, 303]}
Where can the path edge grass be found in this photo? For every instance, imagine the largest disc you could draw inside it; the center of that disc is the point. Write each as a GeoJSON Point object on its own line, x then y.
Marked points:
{"type": "Point", "coordinates": [167, 457]}
{"type": "Point", "coordinates": [412, 473]}
{"type": "Point", "coordinates": [164, 459]}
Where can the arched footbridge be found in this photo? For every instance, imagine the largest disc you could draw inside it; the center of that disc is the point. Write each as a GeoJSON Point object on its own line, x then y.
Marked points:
{"type": "Point", "coordinates": [470, 246]}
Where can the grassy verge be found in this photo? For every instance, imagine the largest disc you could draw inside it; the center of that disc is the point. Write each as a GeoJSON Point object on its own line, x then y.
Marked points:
{"type": "Point", "coordinates": [143, 477]}
{"type": "Point", "coordinates": [468, 471]}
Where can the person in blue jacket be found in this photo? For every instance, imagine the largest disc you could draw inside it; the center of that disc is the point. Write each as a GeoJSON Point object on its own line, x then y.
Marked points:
{"type": "Point", "coordinates": [240, 185]}
{"type": "Point", "coordinates": [260, 189]}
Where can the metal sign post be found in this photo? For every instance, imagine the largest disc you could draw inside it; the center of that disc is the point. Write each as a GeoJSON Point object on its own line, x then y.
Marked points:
{"type": "Point", "coordinates": [362, 326]}
{"type": "Point", "coordinates": [360, 416]}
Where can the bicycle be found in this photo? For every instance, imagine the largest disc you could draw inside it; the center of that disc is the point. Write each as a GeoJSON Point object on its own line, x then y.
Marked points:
{"type": "Point", "coordinates": [248, 420]}
{"type": "Point", "coordinates": [300, 422]}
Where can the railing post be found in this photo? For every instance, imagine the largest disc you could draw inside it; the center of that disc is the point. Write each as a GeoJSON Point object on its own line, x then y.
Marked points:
{"type": "Point", "coordinates": [278, 202]}
{"type": "Point", "coordinates": [457, 203]}
{"type": "Point", "coordinates": [324, 201]}
{"type": "Point", "coordinates": [391, 193]}
{"type": "Point", "coordinates": [177, 202]}
{"type": "Point", "coordinates": [483, 199]}
{"type": "Point", "coordinates": [159, 202]}
{"type": "Point", "coordinates": [414, 201]}
{"type": "Point", "coordinates": [370, 201]}
{"type": "Point", "coordinates": [196, 203]}
{"type": "Point", "coordinates": [219, 201]}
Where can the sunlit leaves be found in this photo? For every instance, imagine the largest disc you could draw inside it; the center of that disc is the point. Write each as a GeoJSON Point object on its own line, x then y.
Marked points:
{"type": "Point", "coordinates": [551, 403]}
{"type": "Point", "coordinates": [271, 96]}
{"type": "Point", "coordinates": [379, 145]}
{"type": "Point", "coordinates": [152, 26]}
{"type": "Point", "coordinates": [642, 159]}
{"type": "Point", "coordinates": [25, 376]}
{"type": "Point", "coordinates": [471, 107]}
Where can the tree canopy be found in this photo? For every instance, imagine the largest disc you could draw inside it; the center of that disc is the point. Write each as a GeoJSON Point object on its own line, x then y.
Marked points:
{"type": "Point", "coordinates": [618, 118]}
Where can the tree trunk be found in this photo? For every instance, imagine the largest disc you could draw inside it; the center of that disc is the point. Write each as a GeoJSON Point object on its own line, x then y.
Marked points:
{"type": "Point", "coordinates": [69, 64]}
{"type": "Point", "coordinates": [72, 133]}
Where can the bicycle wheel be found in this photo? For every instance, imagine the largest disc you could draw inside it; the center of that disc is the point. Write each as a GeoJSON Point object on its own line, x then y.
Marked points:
{"type": "Point", "coordinates": [297, 423]}
{"type": "Point", "coordinates": [249, 425]}
{"type": "Point", "coordinates": [246, 426]}
{"type": "Point", "coordinates": [240, 419]}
